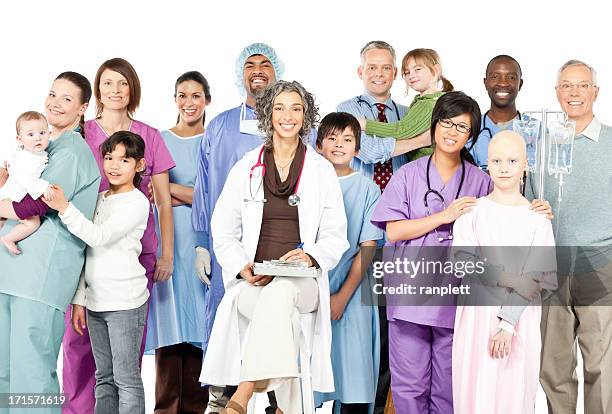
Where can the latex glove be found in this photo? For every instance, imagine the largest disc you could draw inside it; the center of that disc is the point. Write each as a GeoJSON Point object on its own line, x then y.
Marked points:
{"type": "Point", "coordinates": [202, 264]}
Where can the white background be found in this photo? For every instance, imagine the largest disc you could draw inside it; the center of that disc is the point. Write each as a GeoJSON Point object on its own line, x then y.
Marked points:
{"type": "Point", "coordinates": [319, 42]}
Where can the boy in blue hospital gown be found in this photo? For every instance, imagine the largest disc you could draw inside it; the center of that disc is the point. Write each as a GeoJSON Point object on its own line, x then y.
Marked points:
{"type": "Point", "coordinates": [355, 332]}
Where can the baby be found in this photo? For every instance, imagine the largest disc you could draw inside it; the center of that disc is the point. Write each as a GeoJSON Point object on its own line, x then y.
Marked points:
{"type": "Point", "coordinates": [25, 168]}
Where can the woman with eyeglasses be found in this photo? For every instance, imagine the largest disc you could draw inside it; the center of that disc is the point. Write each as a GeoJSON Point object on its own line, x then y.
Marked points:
{"type": "Point", "coordinates": [418, 209]}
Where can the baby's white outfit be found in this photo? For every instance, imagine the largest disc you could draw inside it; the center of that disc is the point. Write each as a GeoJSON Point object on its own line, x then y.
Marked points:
{"type": "Point", "coordinates": [25, 169]}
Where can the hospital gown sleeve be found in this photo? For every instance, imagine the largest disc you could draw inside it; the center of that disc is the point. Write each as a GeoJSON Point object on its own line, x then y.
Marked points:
{"type": "Point", "coordinates": [368, 230]}
{"type": "Point", "coordinates": [331, 241]}
{"type": "Point", "coordinates": [515, 304]}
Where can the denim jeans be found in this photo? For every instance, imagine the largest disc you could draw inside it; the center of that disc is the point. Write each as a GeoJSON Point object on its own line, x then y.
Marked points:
{"type": "Point", "coordinates": [115, 342]}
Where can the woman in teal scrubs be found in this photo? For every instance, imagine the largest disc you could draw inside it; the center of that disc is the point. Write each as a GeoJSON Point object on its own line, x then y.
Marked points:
{"type": "Point", "coordinates": [37, 285]}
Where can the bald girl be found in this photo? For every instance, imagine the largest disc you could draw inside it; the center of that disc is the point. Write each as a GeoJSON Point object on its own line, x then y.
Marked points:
{"type": "Point", "coordinates": [505, 141]}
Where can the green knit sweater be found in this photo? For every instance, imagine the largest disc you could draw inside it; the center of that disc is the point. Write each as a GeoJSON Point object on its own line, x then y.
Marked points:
{"type": "Point", "coordinates": [416, 121]}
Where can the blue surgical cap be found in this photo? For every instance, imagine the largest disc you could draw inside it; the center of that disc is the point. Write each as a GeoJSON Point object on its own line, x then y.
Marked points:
{"type": "Point", "coordinates": [257, 49]}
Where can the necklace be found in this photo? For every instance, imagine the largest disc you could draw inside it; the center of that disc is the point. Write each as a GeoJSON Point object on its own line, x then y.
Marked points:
{"type": "Point", "coordinates": [110, 131]}
{"type": "Point", "coordinates": [281, 168]}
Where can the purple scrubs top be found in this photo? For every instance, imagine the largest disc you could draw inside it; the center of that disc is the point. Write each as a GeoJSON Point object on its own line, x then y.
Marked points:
{"type": "Point", "coordinates": [403, 199]}
{"type": "Point", "coordinates": [157, 158]}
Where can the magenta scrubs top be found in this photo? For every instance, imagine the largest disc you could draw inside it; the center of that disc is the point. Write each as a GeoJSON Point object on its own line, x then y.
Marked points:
{"type": "Point", "coordinates": [157, 158]}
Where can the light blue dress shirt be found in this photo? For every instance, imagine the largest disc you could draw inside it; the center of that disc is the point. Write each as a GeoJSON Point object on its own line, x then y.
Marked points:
{"type": "Point", "coordinates": [374, 149]}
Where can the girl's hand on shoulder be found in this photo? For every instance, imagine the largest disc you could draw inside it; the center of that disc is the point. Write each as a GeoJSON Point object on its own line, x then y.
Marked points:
{"type": "Point", "coordinates": [499, 345]}
{"type": "Point", "coordinates": [56, 199]}
{"type": "Point", "coordinates": [79, 320]}
{"type": "Point", "coordinates": [457, 208]}
{"type": "Point", "coordinates": [163, 269]}
{"type": "Point", "coordinates": [542, 207]}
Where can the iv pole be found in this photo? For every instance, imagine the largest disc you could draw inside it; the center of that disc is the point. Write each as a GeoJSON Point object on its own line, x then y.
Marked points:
{"type": "Point", "coordinates": [542, 147]}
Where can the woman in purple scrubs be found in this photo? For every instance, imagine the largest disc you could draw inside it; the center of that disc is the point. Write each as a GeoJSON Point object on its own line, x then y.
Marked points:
{"type": "Point", "coordinates": [421, 337]}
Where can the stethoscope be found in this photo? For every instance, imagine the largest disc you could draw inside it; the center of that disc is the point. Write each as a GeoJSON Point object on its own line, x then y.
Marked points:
{"type": "Point", "coordinates": [258, 170]}
{"type": "Point", "coordinates": [438, 195]}
{"type": "Point", "coordinates": [486, 128]}
{"type": "Point", "coordinates": [360, 100]}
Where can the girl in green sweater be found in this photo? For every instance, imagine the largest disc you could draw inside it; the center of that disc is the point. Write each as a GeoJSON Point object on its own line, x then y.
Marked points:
{"type": "Point", "coordinates": [422, 71]}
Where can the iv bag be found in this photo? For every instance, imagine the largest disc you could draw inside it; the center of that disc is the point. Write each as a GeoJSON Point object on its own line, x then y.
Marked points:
{"type": "Point", "coordinates": [561, 146]}
{"type": "Point", "coordinates": [529, 129]}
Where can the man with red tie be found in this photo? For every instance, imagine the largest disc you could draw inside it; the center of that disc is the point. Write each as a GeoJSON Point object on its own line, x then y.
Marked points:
{"type": "Point", "coordinates": [378, 157]}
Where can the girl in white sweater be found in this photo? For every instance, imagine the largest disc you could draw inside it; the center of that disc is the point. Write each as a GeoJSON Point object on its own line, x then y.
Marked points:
{"type": "Point", "coordinates": [113, 286]}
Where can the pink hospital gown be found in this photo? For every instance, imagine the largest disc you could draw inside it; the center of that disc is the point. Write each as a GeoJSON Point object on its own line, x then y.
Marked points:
{"type": "Point", "coordinates": [482, 384]}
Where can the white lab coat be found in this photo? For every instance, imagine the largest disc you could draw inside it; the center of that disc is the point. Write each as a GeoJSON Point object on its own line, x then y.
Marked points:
{"type": "Point", "coordinates": [235, 228]}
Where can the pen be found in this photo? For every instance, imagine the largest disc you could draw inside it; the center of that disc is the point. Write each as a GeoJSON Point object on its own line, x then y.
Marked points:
{"type": "Point", "coordinates": [300, 246]}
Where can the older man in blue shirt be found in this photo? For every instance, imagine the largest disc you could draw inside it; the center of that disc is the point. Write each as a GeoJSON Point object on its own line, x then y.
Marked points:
{"type": "Point", "coordinates": [378, 157]}
{"type": "Point", "coordinates": [377, 72]}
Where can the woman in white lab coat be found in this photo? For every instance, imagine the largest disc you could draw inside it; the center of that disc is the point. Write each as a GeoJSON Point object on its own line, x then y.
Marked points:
{"type": "Point", "coordinates": [280, 201]}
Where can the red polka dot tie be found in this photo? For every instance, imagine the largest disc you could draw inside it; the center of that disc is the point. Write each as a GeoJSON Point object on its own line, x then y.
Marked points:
{"type": "Point", "coordinates": [382, 170]}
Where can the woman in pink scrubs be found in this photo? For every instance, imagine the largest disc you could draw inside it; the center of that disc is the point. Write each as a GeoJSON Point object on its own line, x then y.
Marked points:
{"type": "Point", "coordinates": [117, 92]}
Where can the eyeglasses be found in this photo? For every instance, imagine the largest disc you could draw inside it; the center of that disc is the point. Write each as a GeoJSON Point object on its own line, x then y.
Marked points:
{"type": "Point", "coordinates": [582, 86]}
{"type": "Point", "coordinates": [461, 128]}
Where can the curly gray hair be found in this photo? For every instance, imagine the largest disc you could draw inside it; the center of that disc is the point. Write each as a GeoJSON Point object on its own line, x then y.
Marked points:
{"type": "Point", "coordinates": [265, 104]}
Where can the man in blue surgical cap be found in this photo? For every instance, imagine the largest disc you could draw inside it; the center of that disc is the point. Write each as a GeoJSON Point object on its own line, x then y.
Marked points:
{"type": "Point", "coordinates": [228, 137]}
